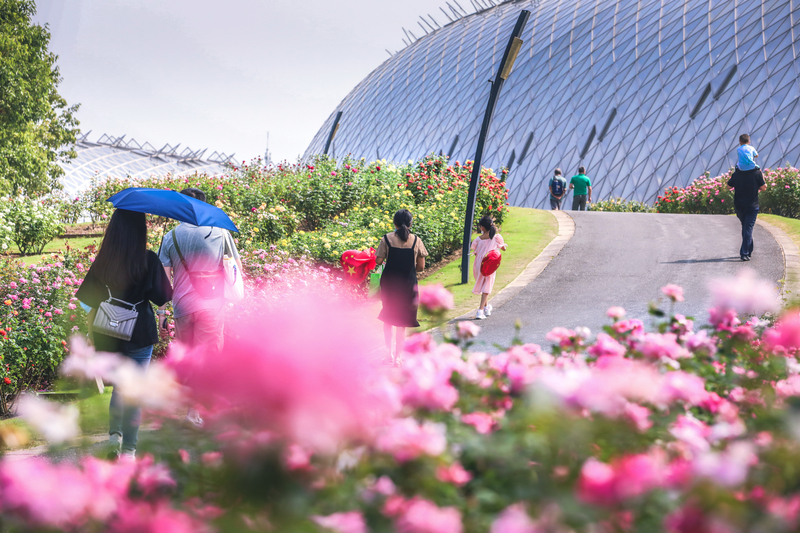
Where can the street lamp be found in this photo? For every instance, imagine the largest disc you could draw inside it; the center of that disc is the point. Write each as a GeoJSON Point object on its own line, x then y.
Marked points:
{"type": "Point", "coordinates": [507, 65]}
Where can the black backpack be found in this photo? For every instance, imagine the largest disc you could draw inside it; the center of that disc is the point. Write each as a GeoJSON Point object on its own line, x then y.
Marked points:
{"type": "Point", "coordinates": [558, 187]}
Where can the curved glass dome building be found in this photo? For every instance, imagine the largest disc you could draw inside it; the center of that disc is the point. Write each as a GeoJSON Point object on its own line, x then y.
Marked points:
{"type": "Point", "coordinates": [120, 158]}
{"type": "Point", "coordinates": [645, 93]}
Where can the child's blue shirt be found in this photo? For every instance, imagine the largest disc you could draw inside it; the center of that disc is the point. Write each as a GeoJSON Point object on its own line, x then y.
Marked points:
{"type": "Point", "coordinates": [747, 155]}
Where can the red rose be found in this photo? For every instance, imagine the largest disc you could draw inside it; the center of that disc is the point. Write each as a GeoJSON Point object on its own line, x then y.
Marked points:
{"type": "Point", "coordinates": [7, 381]}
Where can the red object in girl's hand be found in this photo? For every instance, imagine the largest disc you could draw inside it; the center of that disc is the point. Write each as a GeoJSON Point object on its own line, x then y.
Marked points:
{"type": "Point", "coordinates": [357, 264]}
{"type": "Point", "coordinates": [490, 263]}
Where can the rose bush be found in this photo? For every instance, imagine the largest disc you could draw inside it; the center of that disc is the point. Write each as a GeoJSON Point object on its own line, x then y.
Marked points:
{"type": "Point", "coordinates": [38, 313]}
{"type": "Point", "coordinates": [678, 429]}
{"type": "Point", "coordinates": [325, 207]}
{"type": "Point", "coordinates": [713, 196]}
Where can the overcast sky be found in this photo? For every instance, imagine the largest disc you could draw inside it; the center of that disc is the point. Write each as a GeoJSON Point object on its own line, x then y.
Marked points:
{"type": "Point", "coordinates": [221, 74]}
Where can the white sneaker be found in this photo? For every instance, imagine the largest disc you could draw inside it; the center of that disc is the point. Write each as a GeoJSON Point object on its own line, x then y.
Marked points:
{"type": "Point", "coordinates": [127, 455]}
{"type": "Point", "coordinates": [480, 315]}
{"type": "Point", "coordinates": [488, 310]}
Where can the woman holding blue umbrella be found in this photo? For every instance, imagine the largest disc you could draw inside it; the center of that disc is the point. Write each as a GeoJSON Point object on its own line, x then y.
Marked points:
{"type": "Point", "coordinates": [127, 275]}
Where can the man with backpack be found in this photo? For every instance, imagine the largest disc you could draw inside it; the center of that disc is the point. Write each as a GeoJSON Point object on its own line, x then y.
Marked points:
{"type": "Point", "coordinates": [193, 257]}
{"type": "Point", "coordinates": [558, 188]}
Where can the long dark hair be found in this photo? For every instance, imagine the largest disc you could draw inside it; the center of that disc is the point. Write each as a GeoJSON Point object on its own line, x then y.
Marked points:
{"type": "Point", "coordinates": [122, 259]}
{"type": "Point", "coordinates": [402, 219]}
{"type": "Point", "coordinates": [487, 223]}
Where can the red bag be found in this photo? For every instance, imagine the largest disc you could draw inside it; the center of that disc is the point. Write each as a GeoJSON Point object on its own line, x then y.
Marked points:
{"type": "Point", "coordinates": [357, 264]}
{"type": "Point", "coordinates": [490, 263]}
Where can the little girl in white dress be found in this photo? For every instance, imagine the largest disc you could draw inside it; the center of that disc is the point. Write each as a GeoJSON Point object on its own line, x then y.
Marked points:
{"type": "Point", "coordinates": [488, 240]}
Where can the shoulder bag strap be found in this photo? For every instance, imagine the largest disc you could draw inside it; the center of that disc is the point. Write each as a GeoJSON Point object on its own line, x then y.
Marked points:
{"type": "Point", "coordinates": [227, 249]}
{"type": "Point", "coordinates": [178, 249]}
{"type": "Point", "coordinates": [110, 297]}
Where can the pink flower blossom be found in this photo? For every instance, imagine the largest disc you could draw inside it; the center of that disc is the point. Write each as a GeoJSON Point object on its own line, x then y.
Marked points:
{"type": "Point", "coordinates": [700, 341]}
{"type": "Point", "coordinates": [680, 385]}
{"type": "Point", "coordinates": [785, 335]}
{"type": "Point", "coordinates": [639, 415]}
{"type": "Point", "coordinates": [514, 519]}
{"type": "Point", "coordinates": [466, 330]}
{"type": "Point", "coordinates": [661, 346]}
{"type": "Point", "coordinates": [426, 383]}
{"type": "Point", "coordinates": [315, 390]}
{"type": "Point", "coordinates": [606, 346]}
{"type": "Point", "coordinates": [728, 468]}
{"type": "Point", "coordinates": [423, 516]}
{"type": "Point", "coordinates": [407, 439]}
{"type": "Point", "coordinates": [634, 326]}
{"type": "Point", "coordinates": [483, 423]}
{"type": "Point", "coordinates": [615, 312]}
{"type": "Point", "coordinates": [454, 474]}
{"type": "Point", "coordinates": [628, 477]}
{"type": "Point", "coordinates": [350, 522]}
{"type": "Point", "coordinates": [435, 298]}
{"type": "Point", "coordinates": [691, 432]}
{"type": "Point", "coordinates": [560, 336]}
{"type": "Point", "coordinates": [297, 458]}
{"type": "Point", "coordinates": [673, 292]}
{"type": "Point", "coordinates": [746, 294]}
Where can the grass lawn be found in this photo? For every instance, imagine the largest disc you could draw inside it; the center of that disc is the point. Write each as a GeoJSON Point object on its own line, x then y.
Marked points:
{"type": "Point", "coordinates": [57, 245]}
{"type": "Point", "coordinates": [93, 419]}
{"type": "Point", "coordinates": [790, 225]}
{"type": "Point", "coordinates": [526, 231]}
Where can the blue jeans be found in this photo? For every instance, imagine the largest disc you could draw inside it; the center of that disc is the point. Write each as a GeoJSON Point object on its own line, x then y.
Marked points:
{"type": "Point", "coordinates": [124, 419]}
{"type": "Point", "coordinates": [748, 219]}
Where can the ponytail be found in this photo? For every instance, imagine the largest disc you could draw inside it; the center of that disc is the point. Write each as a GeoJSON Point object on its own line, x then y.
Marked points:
{"type": "Point", "coordinates": [487, 223]}
{"type": "Point", "coordinates": [402, 220]}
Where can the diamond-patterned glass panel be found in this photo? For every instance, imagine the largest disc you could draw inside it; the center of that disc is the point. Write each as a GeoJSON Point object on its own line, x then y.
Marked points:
{"type": "Point", "coordinates": [652, 60]}
{"type": "Point", "coordinates": [123, 158]}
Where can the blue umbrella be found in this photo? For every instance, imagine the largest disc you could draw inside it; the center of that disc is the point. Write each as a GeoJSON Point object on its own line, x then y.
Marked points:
{"type": "Point", "coordinates": [172, 204]}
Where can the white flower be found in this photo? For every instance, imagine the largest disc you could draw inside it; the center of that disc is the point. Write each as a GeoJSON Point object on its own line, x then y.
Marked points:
{"type": "Point", "coordinates": [155, 388]}
{"type": "Point", "coordinates": [57, 423]}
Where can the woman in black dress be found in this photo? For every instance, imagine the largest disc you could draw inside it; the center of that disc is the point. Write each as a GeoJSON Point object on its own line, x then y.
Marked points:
{"type": "Point", "coordinates": [404, 254]}
{"type": "Point", "coordinates": [125, 270]}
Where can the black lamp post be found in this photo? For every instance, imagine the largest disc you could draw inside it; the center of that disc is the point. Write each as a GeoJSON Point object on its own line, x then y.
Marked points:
{"type": "Point", "coordinates": [510, 55]}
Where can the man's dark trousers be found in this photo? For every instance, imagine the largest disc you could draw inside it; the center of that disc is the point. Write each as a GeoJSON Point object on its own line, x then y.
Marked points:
{"type": "Point", "coordinates": [748, 219]}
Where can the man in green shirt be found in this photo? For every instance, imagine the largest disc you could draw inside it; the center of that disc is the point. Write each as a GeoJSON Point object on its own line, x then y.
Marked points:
{"type": "Point", "coordinates": [583, 190]}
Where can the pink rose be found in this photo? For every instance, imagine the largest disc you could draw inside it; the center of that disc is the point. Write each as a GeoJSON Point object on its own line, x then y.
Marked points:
{"type": "Point", "coordinates": [422, 516]}
{"type": "Point", "coordinates": [454, 474]}
{"type": "Point", "coordinates": [435, 298]}
{"type": "Point", "coordinates": [673, 292]}
{"type": "Point", "coordinates": [482, 422]}
{"type": "Point", "coordinates": [351, 522]}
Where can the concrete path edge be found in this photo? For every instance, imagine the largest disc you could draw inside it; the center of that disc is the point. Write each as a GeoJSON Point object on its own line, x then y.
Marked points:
{"type": "Point", "coordinates": [566, 229]}
{"type": "Point", "coordinates": [791, 261]}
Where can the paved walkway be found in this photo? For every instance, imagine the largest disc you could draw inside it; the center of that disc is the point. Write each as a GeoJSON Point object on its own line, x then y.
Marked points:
{"type": "Point", "coordinates": [624, 259]}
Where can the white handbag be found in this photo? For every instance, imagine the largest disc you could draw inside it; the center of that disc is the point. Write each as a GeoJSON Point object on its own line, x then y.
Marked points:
{"type": "Point", "coordinates": [234, 285]}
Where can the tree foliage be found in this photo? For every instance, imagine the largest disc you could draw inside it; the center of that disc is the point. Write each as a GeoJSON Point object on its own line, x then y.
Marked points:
{"type": "Point", "coordinates": [37, 126]}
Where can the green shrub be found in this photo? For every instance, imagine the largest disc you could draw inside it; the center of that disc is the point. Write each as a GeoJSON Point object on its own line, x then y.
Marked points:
{"type": "Point", "coordinates": [6, 229]}
{"type": "Point", "coordinates": [620, 205]}
{"type": "Point", "coordinates": [34, 223]}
